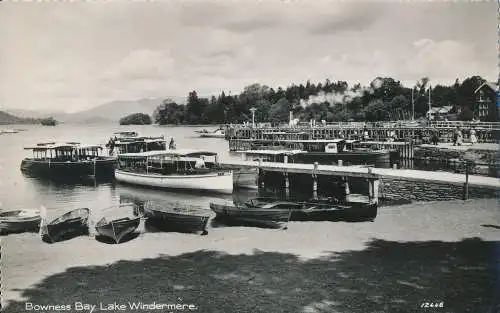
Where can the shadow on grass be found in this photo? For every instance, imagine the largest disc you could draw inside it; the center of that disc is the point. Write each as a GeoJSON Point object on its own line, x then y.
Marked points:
{"type": "Point", "coordinates": [384, 277]}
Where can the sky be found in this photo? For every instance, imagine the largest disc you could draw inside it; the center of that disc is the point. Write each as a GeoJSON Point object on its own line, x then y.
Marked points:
{"type": "Point", "coordinates": [74, 55]}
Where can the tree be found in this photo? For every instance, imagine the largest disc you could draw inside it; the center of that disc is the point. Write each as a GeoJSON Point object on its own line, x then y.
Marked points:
{"type": "Point", "coordinates": [136, 119]}
{"type": "Point", "coordinates": [279, 111]}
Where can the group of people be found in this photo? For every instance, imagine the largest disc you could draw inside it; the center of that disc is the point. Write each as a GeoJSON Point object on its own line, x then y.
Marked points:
{"type": "Point", "coordinates": [458, 136]}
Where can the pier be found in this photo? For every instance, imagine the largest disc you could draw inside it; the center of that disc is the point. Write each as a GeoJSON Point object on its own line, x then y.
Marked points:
{"type": "Point", "coordinates": [367, 172]}
{"type": "Point", "coordinates": [379, 131]}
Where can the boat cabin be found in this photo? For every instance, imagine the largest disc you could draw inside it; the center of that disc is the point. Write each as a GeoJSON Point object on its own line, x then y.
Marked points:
{"type": "Point", "coordinates": [126, 134]}
{"type": "Point", "coordinates": [65, 152]}
{"type": "Point", "coordinates": [269, 155]}
{"type": "Point", "coordinates": [319, 145]}
{"type": "Point", "coordinates": [137, 144]}
{"type": "Point", "coordinates": [166, 162]}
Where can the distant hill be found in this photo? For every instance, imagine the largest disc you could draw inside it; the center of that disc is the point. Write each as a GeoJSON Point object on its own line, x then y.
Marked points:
{"type": "Point", "coordinates": [6, 119]}
{"type": "Point", "coordinates": [109, 112]}
{"type": "Point", "coordinates": [113, 111]}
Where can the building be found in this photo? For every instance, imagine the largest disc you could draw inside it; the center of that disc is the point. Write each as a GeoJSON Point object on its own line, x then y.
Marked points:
{"type": "Point", "coordinates": [485, 108]}
{"type": "Point", "coordinates": [440, 113]}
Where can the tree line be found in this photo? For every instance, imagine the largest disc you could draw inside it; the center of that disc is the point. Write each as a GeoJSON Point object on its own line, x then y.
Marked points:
{"type": "Point", "coordinates": [384, 99]}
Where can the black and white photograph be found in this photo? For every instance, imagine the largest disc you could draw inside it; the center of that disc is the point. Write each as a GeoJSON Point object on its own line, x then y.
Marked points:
{"type": "Point", "coordinates": [249, 156]}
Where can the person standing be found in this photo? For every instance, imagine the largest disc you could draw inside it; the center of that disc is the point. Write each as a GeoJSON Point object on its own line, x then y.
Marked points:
{"type": "Point", "coordinates": [459, 137]}
{"type": "Point", "coordinates": [473, 137]}
{"type": "Point", "coordinates": [171, 146]}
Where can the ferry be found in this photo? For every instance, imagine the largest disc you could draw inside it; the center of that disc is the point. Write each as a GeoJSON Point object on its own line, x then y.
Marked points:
{"type": "Point", "coordinates": [323, 151]}
{"type": "Point", "coordinates": [174, 169]}
{"type": "Point", "coordinates": [131, 142]}
{"type": "Point", "coordinates": [68, 160]}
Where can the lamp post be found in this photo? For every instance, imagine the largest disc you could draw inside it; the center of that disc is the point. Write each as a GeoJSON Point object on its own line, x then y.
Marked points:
{"type": "Point", "coordinates": [253, 116]}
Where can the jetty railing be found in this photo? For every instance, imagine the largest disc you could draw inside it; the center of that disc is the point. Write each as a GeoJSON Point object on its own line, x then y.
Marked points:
{"type": "Point", "coordinates": [379, 131]}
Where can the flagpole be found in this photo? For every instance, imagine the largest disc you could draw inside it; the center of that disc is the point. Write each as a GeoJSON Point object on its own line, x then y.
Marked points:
{"type": "Point", "coordinates": [430, 87]}
{"type": "Point", "coordinates": [412, 104]}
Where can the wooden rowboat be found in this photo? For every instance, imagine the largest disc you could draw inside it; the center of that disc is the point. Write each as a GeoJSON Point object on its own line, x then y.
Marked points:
{"type": "Point", "coordinates": [177, 220]}
{"type": "Point", "coordinates": [69, 225]}
{"type": "Point", "coordinates": [251, 216]}
{"type": "Point", "coordinates": [117, 229]}
{"type": "Point", "coordinates": [19, 220]}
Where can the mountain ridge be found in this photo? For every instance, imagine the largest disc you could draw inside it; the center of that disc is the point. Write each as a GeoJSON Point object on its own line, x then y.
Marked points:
{"type": "Point", "coordinates": [109, 112]}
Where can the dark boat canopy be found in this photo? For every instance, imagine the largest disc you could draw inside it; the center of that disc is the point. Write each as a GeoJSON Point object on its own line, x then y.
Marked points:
{"type": "Point", "coordinates": [62, 146]}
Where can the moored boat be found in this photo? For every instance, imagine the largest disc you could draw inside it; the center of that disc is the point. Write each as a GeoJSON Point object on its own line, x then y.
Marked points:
{"type": "Point", "coordinates": [328, 209]}
{"type": "Point", "coordinates": [131, 142]}
{"type": "Point", "coordinates": [19, 220]}
{"type": "Point", "coordinates": [246, 178]}
{"type": "Point", "coordinates": [174, 169]}
{"type": "Point", "coordinates": [68, 160]}
{"type": "Point", "coordinates": [117, 229]}
{"type": "Point", "coordinates": [271, 215]}
{"type": "Point", "coordinates": [69, 225]}
{"type": "Point", "coordinates": [218, 133]}
{"type": "Point", "coordinates": [176, 220]}
{"type": "Point", "coordinates": [351, 152]}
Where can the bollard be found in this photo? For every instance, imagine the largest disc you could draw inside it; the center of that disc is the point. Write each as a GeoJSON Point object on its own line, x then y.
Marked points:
{"type": "Point", "coordinates": [395, 166]}
{"type": "Point", "coordinates": [340, 162]}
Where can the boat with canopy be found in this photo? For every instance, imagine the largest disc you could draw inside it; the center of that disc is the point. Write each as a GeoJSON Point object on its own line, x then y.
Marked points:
{"type": "Point", "coordinates": [68, 160]}
{"type": "Point", "coordinates": [175, 169]}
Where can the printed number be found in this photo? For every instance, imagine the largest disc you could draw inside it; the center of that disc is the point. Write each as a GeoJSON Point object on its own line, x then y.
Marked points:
{"type": "Point", "coordinates": [432, 305]}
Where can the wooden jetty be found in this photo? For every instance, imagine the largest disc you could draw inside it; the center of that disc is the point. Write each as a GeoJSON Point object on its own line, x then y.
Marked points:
{"type": "Point", "coordinates": [372, 175]}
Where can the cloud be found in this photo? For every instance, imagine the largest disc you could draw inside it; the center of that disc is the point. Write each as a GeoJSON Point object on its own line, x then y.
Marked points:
{"type": "Point", "coordinates": [143, 64]}
{"type": "Point", "coordinates": [56, 55]}
{"type": "Point", "coordinates": [439, 59]}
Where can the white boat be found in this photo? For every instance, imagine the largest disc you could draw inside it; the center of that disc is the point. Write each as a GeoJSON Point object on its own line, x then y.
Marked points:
{"type": "Point", "coordinates": [246, 178]}
{"type": "Point", "coordinates": [218, 133]}
{"type": "Point", "coordinates": [174, 169]}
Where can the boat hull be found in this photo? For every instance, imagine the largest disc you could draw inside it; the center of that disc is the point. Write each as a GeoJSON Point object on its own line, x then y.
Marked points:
{"type": "Point", "coordinates": [19, 221]}
{"type": "Point", "coordinates": [171, 221]}
{"type": "Point", "coordinates": [15, 226]}
{"type": "Point", "coordinates": [42, 168]}
{"type": "Point", "coordinates": [221, 182]}
{"type": "Point", "coordinates": [68, 226]}
{"type": "Point", "coordinates": [118, 229]}
{"type": "Point", "coordinates": [246, 178]}
{"type": "Point", "coordinates": [250, 216]}
{"type": "Point", "coordinates": [352, 212]}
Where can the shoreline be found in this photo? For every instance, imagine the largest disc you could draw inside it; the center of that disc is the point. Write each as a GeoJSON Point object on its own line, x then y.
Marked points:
{"type": "Point", "coordinates": [162, 266]}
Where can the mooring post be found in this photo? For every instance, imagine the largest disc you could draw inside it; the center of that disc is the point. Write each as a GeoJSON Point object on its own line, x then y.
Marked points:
{"type": "Point", "coordinates": [261, 174]}
{"type": "Point", "coordinates": [466, 185]}
{"type": "Point", "coordinates": [347, 190]}
{"type": "Point", "coordinates": [315, 181]}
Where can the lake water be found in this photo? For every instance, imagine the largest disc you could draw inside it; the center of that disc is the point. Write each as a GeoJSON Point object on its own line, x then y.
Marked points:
{"type": "Point", "coordinates": [19, 191]}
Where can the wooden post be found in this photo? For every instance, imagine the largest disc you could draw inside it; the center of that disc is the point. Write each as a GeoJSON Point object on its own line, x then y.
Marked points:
{"type": "Point", "coordinates": [315, 181]}
{"type": "Point", "coordinates": [347, 190]}
{"type": "Point", "coordinates": [466, 185]}
{"type": "Point", "coordinates": [261, 174]}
